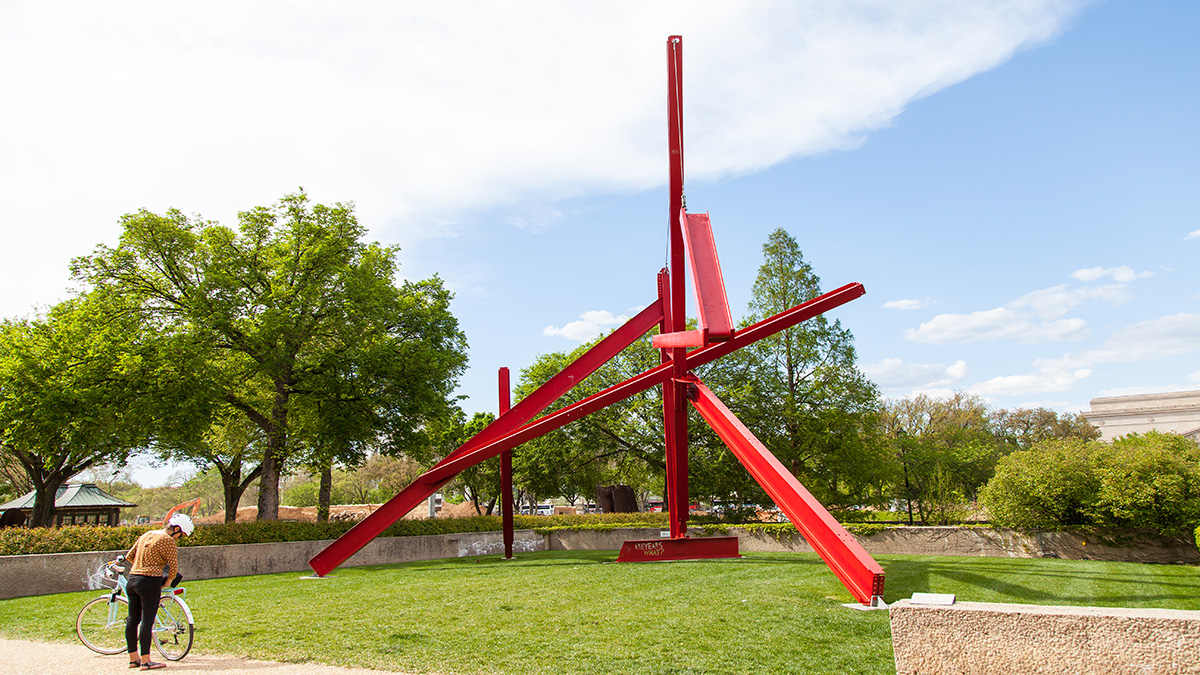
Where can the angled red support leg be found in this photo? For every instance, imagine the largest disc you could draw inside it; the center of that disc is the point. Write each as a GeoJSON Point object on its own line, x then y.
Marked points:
{"type": "Point", "coordinates": [854, 567]}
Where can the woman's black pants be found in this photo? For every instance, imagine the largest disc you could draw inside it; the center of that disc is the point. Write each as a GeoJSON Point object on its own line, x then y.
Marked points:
{"type": "Point", "coordinates": [143, 595]}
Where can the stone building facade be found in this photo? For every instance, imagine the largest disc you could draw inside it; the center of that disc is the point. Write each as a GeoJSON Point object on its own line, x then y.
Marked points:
{"type": "Point", "coordinates": [1175, 412]}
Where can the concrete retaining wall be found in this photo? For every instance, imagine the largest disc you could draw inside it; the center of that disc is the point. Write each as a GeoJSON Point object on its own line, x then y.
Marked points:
{"type": "Point", "coordinates": [985, 638]}
{"type": "Point", "coordinates": [958, 541]}
{"type": "Point", "coordinates": [22, 575]}
{"type": "Point", "coordinates": [63, 572]}
{"type": "Point", "coordinates": [996, 543]}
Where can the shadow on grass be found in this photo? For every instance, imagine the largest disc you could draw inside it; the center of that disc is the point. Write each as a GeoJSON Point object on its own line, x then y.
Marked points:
{"type": "Point", "coordinates": [576, 558]}
{"type": "Point", "coordinates": [1046, 582]}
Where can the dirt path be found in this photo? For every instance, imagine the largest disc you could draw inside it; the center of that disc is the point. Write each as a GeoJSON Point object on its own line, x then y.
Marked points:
{"type": "Point", "coordinates": [20, 657]}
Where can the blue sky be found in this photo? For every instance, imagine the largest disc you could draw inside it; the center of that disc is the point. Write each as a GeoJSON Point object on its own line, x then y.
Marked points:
{"type": "Point", "coordinates": [1014, 181]}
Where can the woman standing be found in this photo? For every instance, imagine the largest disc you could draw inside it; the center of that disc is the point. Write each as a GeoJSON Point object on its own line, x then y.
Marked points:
{"type": "Point", "coordinates": [152, 555]}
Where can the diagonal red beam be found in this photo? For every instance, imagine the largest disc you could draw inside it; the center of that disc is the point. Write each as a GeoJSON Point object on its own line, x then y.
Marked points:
{"type": "Point", "coordinates": [852, 565]}
{"type": "Point", "coordinates": [472, 453]}
{"type": "Point", "coordinates": [395, 508]}
{"type": "Point", "coordinates": [451, 466]}
{"type": "Point", "coordinates": [576, 372]}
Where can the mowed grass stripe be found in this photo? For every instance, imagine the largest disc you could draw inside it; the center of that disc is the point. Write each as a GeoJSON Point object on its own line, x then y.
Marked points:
{"type": "Point", "coordinates": [580, 612]}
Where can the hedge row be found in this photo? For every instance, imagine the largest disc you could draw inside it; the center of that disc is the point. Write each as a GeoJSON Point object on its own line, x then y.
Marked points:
{"type": "Point", "coordinates": [75, 538]}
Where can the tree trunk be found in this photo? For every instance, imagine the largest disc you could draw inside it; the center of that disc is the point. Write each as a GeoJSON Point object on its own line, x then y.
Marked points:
{"type": "Point", "coordinates": [268, 490]}
{"type": "Point", "coordinates": [325, 492]}
{"type": "Point", "coordinates": [231, 484]}
{"type": "Point", "coordinates": [45, 489]}
{"type": "Point", "coordinates": [272, 464]}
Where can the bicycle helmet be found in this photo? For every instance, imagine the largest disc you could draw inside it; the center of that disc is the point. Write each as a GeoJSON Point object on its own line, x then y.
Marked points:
{"type": "Point", "coordinates": [183, 522]}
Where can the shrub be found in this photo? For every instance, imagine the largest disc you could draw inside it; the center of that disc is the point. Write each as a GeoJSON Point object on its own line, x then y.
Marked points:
{"type": "Point", "coordinates": [1149, 482]}
{"type": "Point", "coordinates": [1049, 486]}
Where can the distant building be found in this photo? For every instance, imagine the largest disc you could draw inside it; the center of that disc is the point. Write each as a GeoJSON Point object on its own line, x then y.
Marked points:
{"type": "Point", "coordinates": [76, 504]}
{"type": "Point", "coordinates": [1176, 412]}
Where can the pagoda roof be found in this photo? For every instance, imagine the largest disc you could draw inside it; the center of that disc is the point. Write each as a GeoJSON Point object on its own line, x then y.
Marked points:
{"type": "Point", "coordinates": [72, 495]}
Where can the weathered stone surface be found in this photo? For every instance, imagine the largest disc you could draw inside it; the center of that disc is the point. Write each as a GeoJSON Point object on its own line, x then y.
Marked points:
{"type": "Point", "coordinates": [985, 638]}
{"type": "Point", "coordinates": [997, 542]}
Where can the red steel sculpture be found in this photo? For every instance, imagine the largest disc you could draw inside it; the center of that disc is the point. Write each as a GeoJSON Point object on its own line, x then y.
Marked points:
{"type": "Point", "coordinates": [691, 243]}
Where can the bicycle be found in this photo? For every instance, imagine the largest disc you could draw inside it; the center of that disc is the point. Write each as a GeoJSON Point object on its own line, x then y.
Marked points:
{"type": "Point", "coordinates": [101, 623]}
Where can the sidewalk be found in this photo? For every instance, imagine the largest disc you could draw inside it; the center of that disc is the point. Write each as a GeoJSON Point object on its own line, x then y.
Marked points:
{"type": "Point", "coordinates": [20, 657]}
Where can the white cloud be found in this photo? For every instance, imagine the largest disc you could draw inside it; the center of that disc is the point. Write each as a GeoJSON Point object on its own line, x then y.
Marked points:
{"type": "Point", "coordinates": [422, 112]}
{"type": "Point", "coordinates": [1194, 234]}
{"type": "Point", "coordinates": [994, 324]}
{"type": "Point", "coordinates": [589, 325]}
{"type": "Point", "coordinates": [1054, 302]}
{"type": "Point", "coordinates": [1041, 382]}
{"type": "Point", "coordinates": [892, 373]}
{"type": "Point", "coordinates": [1122, 275]}
{"type": "Point", "coordinates": [1166, 336]}
{"type": "Point", "coordinates": [536, 220]}
{"type": "Point", "coordinates": [908, 304]}
{"type": "Point", "coordinates": [1036, 316]}
{"type": "Point", "coordinates": [1135, 390]}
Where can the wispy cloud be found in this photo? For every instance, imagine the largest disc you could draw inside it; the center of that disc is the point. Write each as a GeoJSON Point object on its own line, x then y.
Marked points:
{"type": "Point", "coordinates": [1123, 274]}
{"type": "Point", "coordinates": [1042, 382]}
{"type": "Point", "coordinates": [424, 112]}
{"type": "Point", "coordinates": [589, 325]}
{"type": "Point", "coordinates": [1054, 302]}
{"type": "Point", "coordinates": [1149, 340]}
{"type": "Point", "coordinates": [995, 324]}
{"type": "Point", "coordinates": [1194, 234]}
{"type": "Point", "coordinates": [894, 373]}
{"type": "Point", "coordinates": [919, 303]}
{"type": "Point", "coordinates": [1036, 316]}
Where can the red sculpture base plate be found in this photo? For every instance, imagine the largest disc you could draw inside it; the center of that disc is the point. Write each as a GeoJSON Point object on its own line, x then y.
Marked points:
{"type": "Point", "coordinates": [653, 550]}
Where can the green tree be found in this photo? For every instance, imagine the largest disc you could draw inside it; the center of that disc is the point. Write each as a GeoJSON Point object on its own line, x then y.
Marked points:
{"type": "Point", "coordinates": [479, 483]}
{"type": "Point", "coordinates": [943, 452]}
{"type": "Point", "coordinates": [14, 482]}
{"type": "Point", "coordinates": [800, 391]}
{"type": "Point", "coordinates": [622, 443]}
{"type": "Point", "coordinates": [90, 382]}
{"type": "Point", "coordinates": [232, 449]}
{"type": "Point", "coordinates": [1021, 428]}
{"type": "Point", "coordinates": [302, 311]}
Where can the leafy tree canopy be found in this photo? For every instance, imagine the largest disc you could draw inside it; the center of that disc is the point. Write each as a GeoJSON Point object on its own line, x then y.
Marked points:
{"type": "Point", "coordinates": [307, 333]}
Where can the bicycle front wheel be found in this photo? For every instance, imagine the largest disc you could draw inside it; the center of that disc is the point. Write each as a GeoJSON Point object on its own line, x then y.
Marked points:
{"type": "Point", "coordinates": [101, 625]}
{"type": "Point", "coordinates": [173, 632]}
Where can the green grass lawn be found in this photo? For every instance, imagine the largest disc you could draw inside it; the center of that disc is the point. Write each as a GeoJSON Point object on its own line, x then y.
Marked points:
{"type": "Point", "coordinates": [579, 612]}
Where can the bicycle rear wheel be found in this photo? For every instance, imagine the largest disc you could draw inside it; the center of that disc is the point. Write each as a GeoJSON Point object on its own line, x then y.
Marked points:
{"type": "Point", "coordinates": [173, 632]}
{"type": "Point", "coordinates": [101, 625]}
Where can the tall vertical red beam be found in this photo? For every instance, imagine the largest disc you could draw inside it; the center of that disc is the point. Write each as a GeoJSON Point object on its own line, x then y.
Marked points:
{"type": "Point", "coordinates": [664, 297]}
{"type": "Point", "coordinates": [674, 393]}
{"type": "Point", "coordinates": [506, 490]}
